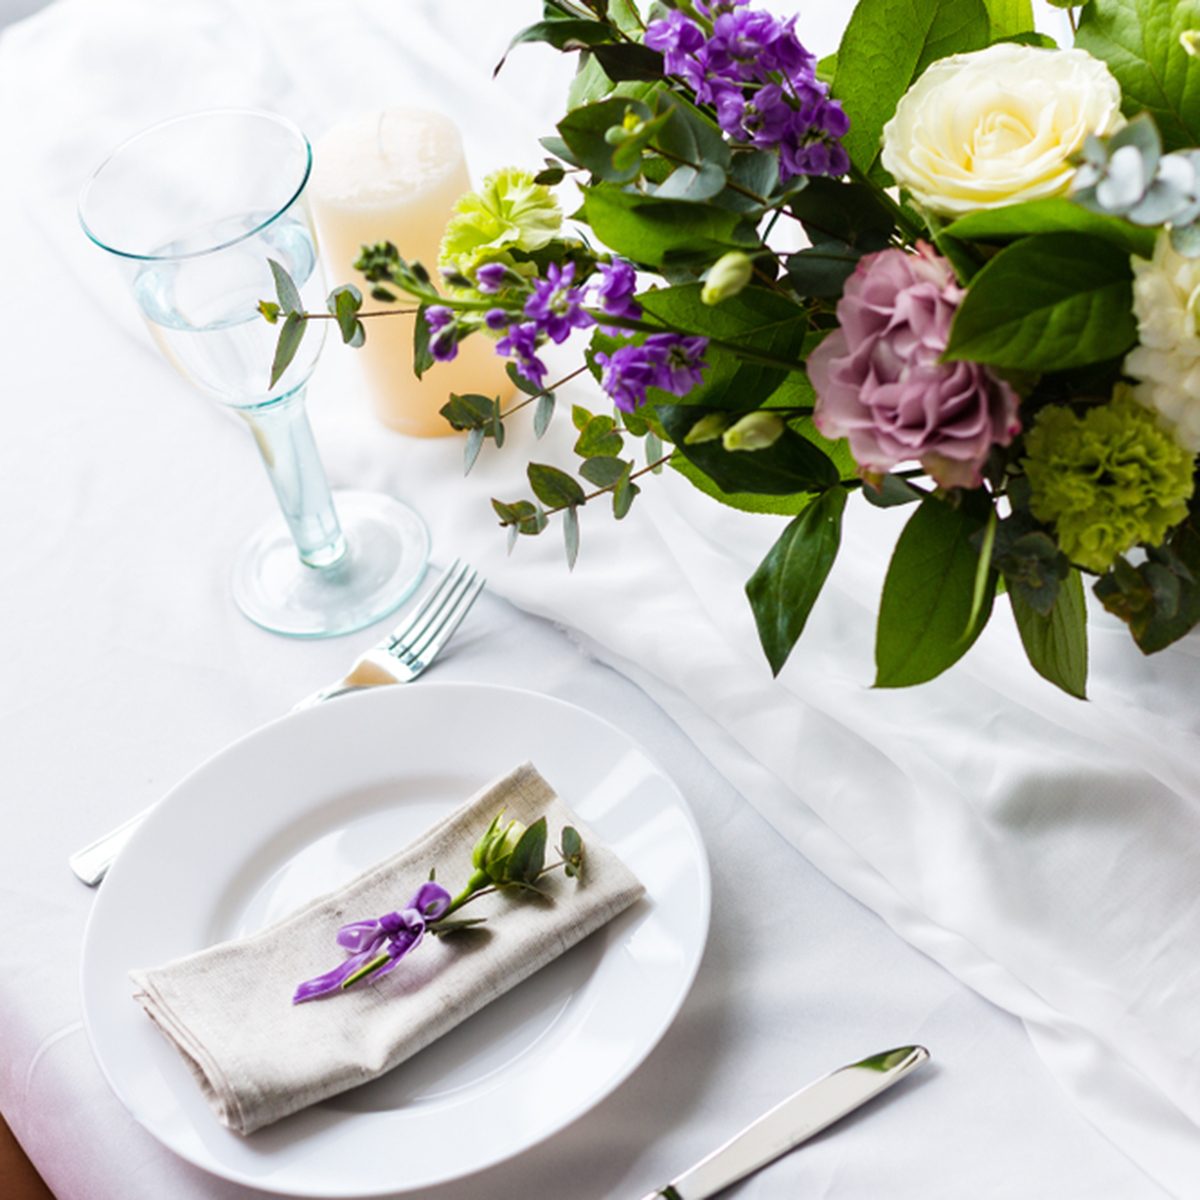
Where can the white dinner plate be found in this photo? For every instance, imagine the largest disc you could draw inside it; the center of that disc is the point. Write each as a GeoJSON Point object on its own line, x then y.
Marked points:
{"type": "Point", "coordinates": [301, 806]}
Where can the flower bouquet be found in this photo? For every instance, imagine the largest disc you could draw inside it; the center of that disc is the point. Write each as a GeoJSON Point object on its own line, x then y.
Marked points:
{"type": "Point", "coordinates": [953, 266]}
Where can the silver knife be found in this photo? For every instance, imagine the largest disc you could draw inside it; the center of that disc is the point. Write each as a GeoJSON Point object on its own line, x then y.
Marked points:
{"type": "Point", "coordinates": [793, 1121]}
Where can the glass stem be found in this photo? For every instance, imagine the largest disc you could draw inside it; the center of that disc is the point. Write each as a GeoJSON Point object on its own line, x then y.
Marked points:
{"type": "Point", "coordinates": [285, 441]}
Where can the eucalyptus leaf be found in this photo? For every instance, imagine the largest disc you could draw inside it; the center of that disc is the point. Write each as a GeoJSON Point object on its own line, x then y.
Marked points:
{"type": "Point", "coordinates": [528, 855]}
{"type": "Point", "coordinates": [599, 437]}
{"type": "Point", "coordinates": [571, 536]}
{"type": "Point", "coordinates": [554, 488]}
{"type": "Point", "coordinates": [623, 496]}
{"type": "Point", "coordinates": [471, 449]}
{"type": "Point", "coordinates": [291, 334]}
{"type": "Point", "coordinates": [286, 289]}
{"type": "Point", "coordinates": [422, 355]}
{"type": "Point", "coordinates": [542, 412]}
{"type": "Point", "coordinates": [604, 472]}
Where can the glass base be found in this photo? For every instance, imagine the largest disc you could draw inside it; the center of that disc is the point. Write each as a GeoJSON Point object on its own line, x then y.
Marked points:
{"type": "Point", "coordinates": [387, 552]}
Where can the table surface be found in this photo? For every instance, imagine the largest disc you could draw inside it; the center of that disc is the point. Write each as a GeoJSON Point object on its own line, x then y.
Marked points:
{"type": "Point", "coordinates": [126, 665]}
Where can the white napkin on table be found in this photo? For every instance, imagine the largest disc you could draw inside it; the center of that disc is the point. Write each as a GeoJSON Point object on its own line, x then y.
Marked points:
{"type": "Point", "coordinates": [258, 1058]}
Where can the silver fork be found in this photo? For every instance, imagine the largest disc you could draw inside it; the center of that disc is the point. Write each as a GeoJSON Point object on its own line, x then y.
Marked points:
{"type": "Point", "coordinates": [399, 658]}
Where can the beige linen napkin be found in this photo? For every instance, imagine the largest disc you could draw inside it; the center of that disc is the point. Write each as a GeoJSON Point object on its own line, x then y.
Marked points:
{"type": "Point", "coordinates": [228, 1009]}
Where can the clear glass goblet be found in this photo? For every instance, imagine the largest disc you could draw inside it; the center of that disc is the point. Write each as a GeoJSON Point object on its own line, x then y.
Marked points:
{"type": "Point", "coordinates": [193, 209]}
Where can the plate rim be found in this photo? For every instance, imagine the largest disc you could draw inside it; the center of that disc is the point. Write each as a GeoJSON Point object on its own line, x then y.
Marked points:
{"type": "Point", "coordinates": [561, 1121]}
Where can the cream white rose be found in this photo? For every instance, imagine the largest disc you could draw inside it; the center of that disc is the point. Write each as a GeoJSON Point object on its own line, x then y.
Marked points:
{"type": "Point", "coordinates": [998, 126]}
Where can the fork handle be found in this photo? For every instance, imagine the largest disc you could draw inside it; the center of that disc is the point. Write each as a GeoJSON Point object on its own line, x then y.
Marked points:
{"type": "Point", "coordinates": [92, 862]}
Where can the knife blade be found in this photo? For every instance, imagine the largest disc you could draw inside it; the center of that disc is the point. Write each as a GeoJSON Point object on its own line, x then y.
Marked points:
{"type": "Point", "coordinates": [792, 1121]}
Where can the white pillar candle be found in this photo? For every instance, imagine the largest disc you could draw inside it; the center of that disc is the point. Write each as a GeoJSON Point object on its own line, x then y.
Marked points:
{"type": "Point", "coordinates": [394, 176]}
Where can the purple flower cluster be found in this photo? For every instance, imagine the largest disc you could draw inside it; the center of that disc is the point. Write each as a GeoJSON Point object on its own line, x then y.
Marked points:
{"type": "Point", "coordinates": [671, 361]}
{"type": "Point", "coordinates": [760, 79]}
{"type": "Point", "coordinates": [614, 289]}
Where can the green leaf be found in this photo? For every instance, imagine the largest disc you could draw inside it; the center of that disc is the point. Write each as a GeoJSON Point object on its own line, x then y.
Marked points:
{"type": "Point", "coordinates": [1057, 644]}
{"type": "Point", "coordinates": [344, 303]}
{"type": "Point", "coordinates": [688, 183]}
{"type": "Point", "coordinates": [891, 492]}
{"type": "Point", "coordinates": [623, 496]}
{"type": "Point", "coordinates": [571, 536]}
{"type": "Point", "coordinates": [823, 268]}
{"type": "Point", "coordinates": [554, 488]}
{"type": "Point", "coordinates": [648, 230]}
{"type": "Point", "coordinates": [291, 334]}
{"type": "Point", "coordinates": [599, 437]}
{"type": "Point", "coordinates": [848, 212]}
{"type": "Point", "coordinates": [562, 35]}
{"type": "Point", "coordinates": [422, 355]}
{"type": "Point", "coordinates": [469, 411]}
{"type": "Point", "coordinates": [542, 412]}
{"type": "Point", "coordinates": [285, 289]}
{"type": "Point", "coordinates": [790, 464]}
{"type": "Point", "coordinates": [1047, 302]}
{"type": "Point", "coordinates": [1053, 215]}
{"type": "Point", "coordinates": [924, 614]}
{"type": "Point", "coordinates": [1139, 40]}
{"type": "Point", "coordinates": [604, 471]}
{"type": "Point", "coordinates": [1008, 18]}
{"type": "Point", "coordinates": [471, 449]}
{"type": "Point", "coordinates": [580, 416]}
{"type": "Point", "coordinates": [519, 381]}
{"type": "Point", "coordinates": [269, 311]}
{"type": "Point", "coordinates": [887, 44]}
{"type": "Point", "coordinates": [584, 129]}
{"type": "Point", "coordinates": [529, 855]}
{"type": "Point", "coordinates": [787, 583]}
{"type": "Point", "coordinates": [629, 61]}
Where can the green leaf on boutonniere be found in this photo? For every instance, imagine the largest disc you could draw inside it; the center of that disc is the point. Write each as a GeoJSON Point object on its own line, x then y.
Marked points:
{"type": "Point", "coordinates": [1139, 40]}
{"type": "Point", "coordinates": [528, 856]}
{"type": "Point", "coordinates": [925, 612]}
{"type": "Point", "coordinates": [1046, 303]}
{"type": "Point", "coordinates": [786, 585]}
{"type": "Point", "coordinates": [887, 44]}
{"type": "Point", "coordinates": [1055, 214]}
{"type": "Point", "coordinates": [291, 334]}
{"type": "Point", "coordinates": [1056, 644]}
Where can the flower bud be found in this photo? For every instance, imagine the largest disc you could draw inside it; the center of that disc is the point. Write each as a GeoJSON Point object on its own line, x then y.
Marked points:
{"type": "Point", "coordinates": [727, 276]}
{"type": "Point", "coordinates": [707, 429]}
{"type": "Point", "coordinates": [496, 845]}
{"type": "Point", "coordinates": [755, 431]}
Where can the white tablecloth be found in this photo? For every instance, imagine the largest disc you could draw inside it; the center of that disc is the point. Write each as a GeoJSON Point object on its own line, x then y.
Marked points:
{"type": "Point", "coordinates": [125, 665]}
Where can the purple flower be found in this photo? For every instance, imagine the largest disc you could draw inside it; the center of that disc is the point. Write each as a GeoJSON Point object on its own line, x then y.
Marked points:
{"type": "Point", "coordinates": [497, 318]}
{"type": "Point", "coordinates": [880, 381]}
{"type": "Point", "coordinates": [555, 306]}
{"type": "Point", "coordinates": [764, 120]}
{"type": "Point", "coordinates": [670, 361]}
{"type": "Point", "coordinates": [741, 44]}
{"type": "Point", "coordinates": [676, 38]}
{"type": "Point", "coordinates": [680, 361]}
{"type": "Point", "coordinates": [438, 316]}
{"type": "Point", "coordinates": [615, 288]}
{"type": "Point", "coordinates": [490, 278]}
{"type": "Point", "coordinates": [399, 932]}
{"type": "Point", "coordinates": [521, 343]}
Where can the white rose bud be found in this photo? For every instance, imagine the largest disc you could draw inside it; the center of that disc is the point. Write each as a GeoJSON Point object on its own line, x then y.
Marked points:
{"type": "Point", "coordinates": [998, 126]}
{"type": "Point", "coordinates": [707, 429]}
{"type": "Point", "coordinates": [727, 276]}
{"type": "Point", "coordinates": [755, 431]}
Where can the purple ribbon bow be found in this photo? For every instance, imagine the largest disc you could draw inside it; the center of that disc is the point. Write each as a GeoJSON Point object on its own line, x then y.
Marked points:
{"type": "Point", "coordinates": [401, 931]}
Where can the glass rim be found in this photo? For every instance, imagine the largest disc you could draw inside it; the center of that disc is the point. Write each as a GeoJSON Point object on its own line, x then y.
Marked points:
{"type": "Point", "coordinates": [281, 121]}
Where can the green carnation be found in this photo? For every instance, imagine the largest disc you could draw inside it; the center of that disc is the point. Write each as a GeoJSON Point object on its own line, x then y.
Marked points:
{"type": "Point", "coordinates": [509, 212]}
{"type": "Point", "coordinates": [1108, 481]}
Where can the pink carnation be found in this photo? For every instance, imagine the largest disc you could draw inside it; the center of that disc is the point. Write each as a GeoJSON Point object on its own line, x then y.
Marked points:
{"type": "Point", "coordinates": [880, 383]}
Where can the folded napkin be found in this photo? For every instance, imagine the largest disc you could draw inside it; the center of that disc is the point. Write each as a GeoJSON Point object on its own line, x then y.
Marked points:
{"type": "Point", "coordinates": [228, 1009]}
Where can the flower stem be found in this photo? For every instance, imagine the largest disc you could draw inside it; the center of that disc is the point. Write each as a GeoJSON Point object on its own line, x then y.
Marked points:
{"type": "Point", "coordinates": [363, 972]}
{"type": "Point", "coordinates": [508, 412]}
